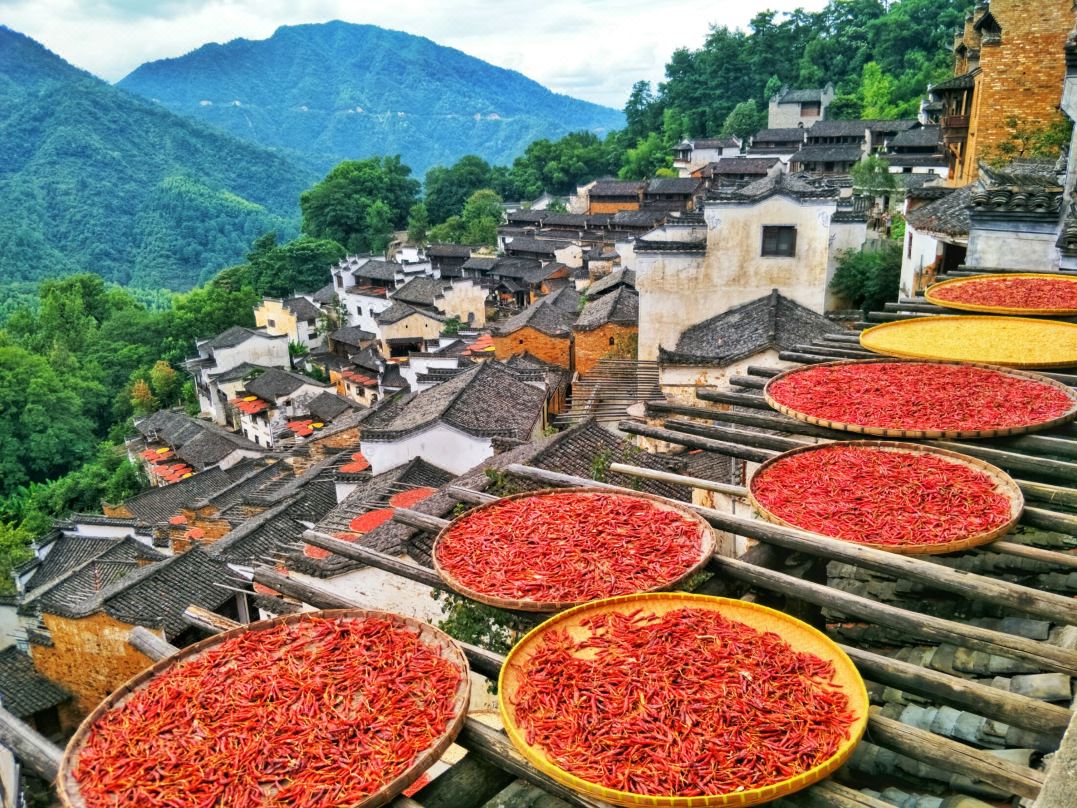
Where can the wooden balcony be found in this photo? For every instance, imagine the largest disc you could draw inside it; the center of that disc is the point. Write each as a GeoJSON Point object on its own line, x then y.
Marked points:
{"type": "Point", "coordinates": [955, 128]}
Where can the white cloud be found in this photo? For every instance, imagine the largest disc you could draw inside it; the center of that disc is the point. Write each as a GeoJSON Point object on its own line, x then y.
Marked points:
{"type": "Point", "coordinates": [593, 49]}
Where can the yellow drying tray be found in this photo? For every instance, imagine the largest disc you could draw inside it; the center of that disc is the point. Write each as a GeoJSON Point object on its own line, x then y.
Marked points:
{"type": "Point", "coordinates": [707, 543]}
{"type": "Point", "coordinates": [67, 786]}
{"type": "Point", "coordinates": [798, 634]}
{"type": "Point", "coordinates": [1016, 342]}
{"type": "Point", "coordinates": [1004, 485]}
{"type": "Point", "coordinates": [931, 297]}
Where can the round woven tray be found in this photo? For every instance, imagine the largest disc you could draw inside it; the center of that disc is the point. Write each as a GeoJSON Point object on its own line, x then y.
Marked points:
{"type": "Point", "coordinates": [68, 788]}
{"type": "Point", "coordinates": [932, 297]}
{"type": "Point", "coordinates": [799, 635]}
{"type": "Point", "coordinates": [1016, 342]}
{"type": "Point", "coordinates": [1004, 485]}
{"type": "Point", "coordinates": [888, 432]}
{"type": "Point", "coordinates": [707, 543]}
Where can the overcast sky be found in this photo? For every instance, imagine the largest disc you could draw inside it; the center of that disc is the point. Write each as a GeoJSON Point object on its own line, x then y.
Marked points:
{"type": "Point", "coordinates": [592, 49]}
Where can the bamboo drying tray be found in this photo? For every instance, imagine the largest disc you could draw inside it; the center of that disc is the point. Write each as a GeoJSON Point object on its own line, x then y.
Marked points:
{"type": "Point", "coordinates": [68, 788]}
{"type": "Point", "coordinates": [798, 634]}
{"type": "Point", "coordinates": [1017, 342]}
{"type": "Point", "coordinates": [932, 294]}
{"type": "Point", "coordinates": [707, 543]}
{"type": "Point", "coordinates": [1004, 485]}
{"type": "Point", "coordinates": [890, 432]}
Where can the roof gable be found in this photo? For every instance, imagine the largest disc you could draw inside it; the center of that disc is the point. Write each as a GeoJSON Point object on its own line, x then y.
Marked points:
{"type": "Point", "coordinates": [541, 316]}
{"type": "Point", "coordinates": [620, 307]}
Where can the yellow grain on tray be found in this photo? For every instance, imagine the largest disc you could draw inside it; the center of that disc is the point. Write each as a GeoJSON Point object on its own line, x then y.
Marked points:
{"type": "Point", "coordinates": [1019, 342]}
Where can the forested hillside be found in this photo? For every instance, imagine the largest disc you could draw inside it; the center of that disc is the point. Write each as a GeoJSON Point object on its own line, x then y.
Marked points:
{"type": "Point", "coordinates": [95, 179]}
{"type": "Point", "coordinates": [336, 91]}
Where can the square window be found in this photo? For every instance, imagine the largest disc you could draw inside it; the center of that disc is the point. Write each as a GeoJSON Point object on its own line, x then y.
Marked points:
{"type": "Point", "coordinates": [271, 323]}
{"type": "Point", "coordinates": [779, 241]}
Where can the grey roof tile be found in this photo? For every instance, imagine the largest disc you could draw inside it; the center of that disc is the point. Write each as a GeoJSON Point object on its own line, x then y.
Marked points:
{"type": "Point", "coordinates": [237, 335]}
{"type": "Point", "coordinates": [276, 383]}
{"type": "Point", "coordinates": [674, 185]}
{"type": "Point", "coordinates": [948, 215]}
{"type": "Point", "coordinates": [620, 307]}
{"type": "Point", "coordinates": [328, 406]}
{"type": "Point", "coordinates": [302, 308]}
{"type": "Point", "coordinates": [541, 316]}
{"type": "Point", "coordinates": [398, 311]}
{"type": "Point", "coordinates": [24, 691]}
{"type": "Point", "coordinates": [420, 291]}
{"type": "Point", "coordinates": [619, 277]}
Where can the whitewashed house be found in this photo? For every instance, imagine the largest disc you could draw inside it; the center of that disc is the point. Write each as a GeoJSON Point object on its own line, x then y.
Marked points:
{"type": "Point", "coordinates": [228, 350]}
{"type": "Point", "coordinates": [270, 399]}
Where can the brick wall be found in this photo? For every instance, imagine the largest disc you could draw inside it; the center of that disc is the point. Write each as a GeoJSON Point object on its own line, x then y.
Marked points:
{"type": "Point", "coordinates": [89, 656]}
{"type": "Point", "coordinates": [611, 207]}
{"type": "Point", "coordinates": [1021, 76]}
{"type": "Point", "coordinates": [590, 346]}
{"type": "Point", "coordinates": [555, 350]}
{"type": "Point", "coordinates": [119, 511]}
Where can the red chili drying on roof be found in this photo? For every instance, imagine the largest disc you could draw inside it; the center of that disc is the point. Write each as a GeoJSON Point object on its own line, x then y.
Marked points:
{"type": "Point", "coordinates": [319, 712]}
{"type": "Point", "coordinates": [687, 703]}
{"type": "Point", "coordinates": [875, 496]}
{"type": "Point", "coordinates": [569, 547]}
{"type": "Point", "coordinates": [1049, 294]}
{"type": "Point", "coordinates": [919, 395]}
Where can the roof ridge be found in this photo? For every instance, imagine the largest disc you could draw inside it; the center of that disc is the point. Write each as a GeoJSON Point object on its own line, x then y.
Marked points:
{"type": "Point", "coordinates": [48, 586]}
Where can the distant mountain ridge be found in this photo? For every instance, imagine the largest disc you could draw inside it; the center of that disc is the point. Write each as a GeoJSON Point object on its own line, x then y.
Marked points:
{"type": "Point", "coordinates": [336, 90]}
{"type": "Point", "coordinates": [93, 178]}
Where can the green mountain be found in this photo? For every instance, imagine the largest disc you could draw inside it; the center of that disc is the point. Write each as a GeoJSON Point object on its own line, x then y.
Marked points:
{"type": "Point", "coordinates": [93, 178]}
{"type": "Point", "coordinates": [337, 91]}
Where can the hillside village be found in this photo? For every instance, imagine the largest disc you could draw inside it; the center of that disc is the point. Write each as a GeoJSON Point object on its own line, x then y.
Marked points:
{"type": "Point", "coordinates": [635, 326]}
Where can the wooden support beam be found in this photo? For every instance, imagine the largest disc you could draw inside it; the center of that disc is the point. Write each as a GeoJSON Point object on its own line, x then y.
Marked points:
{"type": "Point", "coordinates": [954, 756]}
{"type": "Point", "coordinates": [471, 781]}
{"type": "Point", "coordinates": [144, 640]}
{"type": "Point", "coordinates": [301, 591]}
{"type": "Point", "coordinates": [36, 752]}
{"type": "Point", "coordinates": [828, 794]}
{"type": "Point", "coordinates": [738, 491]}
{"type": "Point", "coordinates": [709, 444]}
{"type": "Point", "coordinates": [1020, 711]}
{"type": "Point", "coordinates": [1060, 784]}
{"type": "Point", "coordinates": [736, 399]}
{"type": "Point", "coordinates": [206, 621]}
{"type": "Point", "coordinates": [384, 561]}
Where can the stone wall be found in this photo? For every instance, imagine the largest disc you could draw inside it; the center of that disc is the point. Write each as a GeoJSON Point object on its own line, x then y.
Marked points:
{"type": "Point", "coordinates": [555, 350]}
{"type": "Point", "coordinates": [89, 656]}
{"type": "Point", "coordinates": [590, 346]}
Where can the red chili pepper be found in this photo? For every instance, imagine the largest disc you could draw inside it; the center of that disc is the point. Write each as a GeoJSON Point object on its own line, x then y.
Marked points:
{"type": "Point", "coordinates": [569, 547]}
{"type": "Point", "coordinates": [686, 703]}
{"type": "Point", "coordinates": [877, 496]}
{"type": "Point", "coordinates": [919, 395]}
{"type": "Point", "coordinates": [315, 713]}
{"type": "Point", "coordinates": [1049, 294]}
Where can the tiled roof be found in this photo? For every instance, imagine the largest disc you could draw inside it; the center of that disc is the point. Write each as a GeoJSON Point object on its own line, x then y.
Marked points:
{"type": "Point", "coordinates": [325, 294]}
{"type": "Point", "coordinates": [372, 268]}
{"type": "Point", "coordinates": [856, 128]}
{"type": "Point", "coordinates": [916, 160]}
{"type": "Point", "coordinates": [158, 504]}
{"type": "Point", "coordinates": [24, 691]}
{"type": "Point", "coordinates": [620, 308]}
{"type": "Point", "coordinates": [237, 335]}
{"type": "Point", "coordinates": [966, 81]}
{"type": "Point", "coordinates": [169, 426]}
{"type": "Point", "coordinates": [276, 383]}
{"type": "Point", "coordinates": [327, 406]}
{"type": "Point", "coordinates": [674, 185]}
{"type": "Point", "coordinates": [541, 316]}
{"type": "Point", "coordinates": [773, 321]}
{"type": "Point", "coordinates": [535, 245]}
{"type": "Point", "coordinates": [529, 270]}
{"type": "Point", "coordinates": [800, 96]}
{"type": "Point", "coordinates": [798, 186]}
{"type": "Point", "coordinates": [779, 135]}
{"type": "Point", "coordinates": [567, 220]}
{"type": "Point", "coordinates": [481, 263]}
{"type": "Point", "coordinates": [739, 165]}
{"type": "Point", "coordinates": [618, 188]}
{"type": "Point", "coordinates": [918, 137]}
{"type": "Point", "coordinates": [565, 299]}
{"type": "Point", "coordinates": [574, 451]}
{"type": "Point", "coordinates": [716, 143]}
{"type": "Point", "coordinates": [620, 277]}
{"type": "Point", "coordinates": [66, 553]}
{"type": "Point", "coordinates": [827, 154]}
{"type": "Point", "coordinates": [527, 216]}
{"type": "Point", "coordinates": [484, 401]}
{"type": "Point", "coordinates": [240, 371]}
{"type": "Point", "coordinates": [450, 250]}
{"type": "Point", "coordinates": [351, 335]}
{"type": "Point", "coordinates": [947, 216]}
{"type": "Point", "coordinates": [398, 311]}
{"type": "Point", "coordinates": [420, 291]}
{"type": "Point", "coordinates": [213, 445]}
{"type": "Point", "coordinates": [263, 535]}
{"type": "Point", "coordinates": [637, 218]}
{"type": "Point", "coordinates": [302, 308]}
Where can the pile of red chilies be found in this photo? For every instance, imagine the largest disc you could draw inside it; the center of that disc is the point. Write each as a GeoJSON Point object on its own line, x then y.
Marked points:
{"type": "Point", "coordinates": [919, 395]}
{"type": "Point", "coordinates": [687, 703]}
{"type": "Point", "coordinates": [1014, 293]}
{"type": "Point", "coordinates": [316, 713]}
{"type": "Point", "coordinates": [569, 547]}
{"type": "Point", "coordinates": [871, 495]}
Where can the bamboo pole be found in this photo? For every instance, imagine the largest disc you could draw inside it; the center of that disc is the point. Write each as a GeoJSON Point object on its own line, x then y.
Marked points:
{"type": "Point", "coordinates": [34, 750]}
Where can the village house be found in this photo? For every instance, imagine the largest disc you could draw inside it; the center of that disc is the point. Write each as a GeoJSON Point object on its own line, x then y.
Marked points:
{"type": "Point", "coordinates": [543, 329]}
{"type": "Point", "coordinates": [403, 328]}
{"type": "Point", "coordinates": [231, 348]}
{"type": "Point", "coordinates": [1009, 62]}
{"type": "Point", "coordinates": [270, 399]}
{"type": "Point", "coordinates": [792, 108]}
{"type": "Point", "coordinates": [446, 259]}
{"type": "Point", "coordinates": [736, 170]}
{"type": "Point", "coordinates": [543, 249]}
{"type": "Point", "coordinates": [168, 437]}
{"type": "Point", "coordinates": [673, 193]}
{"type": "Point", "coordinates": [363, 286]}
{"type": "Point", "coordinates": [460, 298]}
{"type": "Point", "coordinates": [35, 699]}
{"type": "Point", "coordinates": [293, 317]}
{"type": "Point", "coordinates": [784, 231]}
{"type": "Point", "coordinates": [688, 155]}
{"type": "Point", "coordinates": [781, 143]}
{"type": "Point", "coordinates": [607, 326]}
{"type": "Point", "coordinates": [454, 424]}
{"type": "Point", "coordinates": [918, 150]}
{"type": "Point", "coordinates": [753, 333]}
{"type": "Point", "coordinates": [834, 147]}
{"type": "Point", "coordinates": [610, 196]}
{"type": "Point", "coordinates": [518, 282]}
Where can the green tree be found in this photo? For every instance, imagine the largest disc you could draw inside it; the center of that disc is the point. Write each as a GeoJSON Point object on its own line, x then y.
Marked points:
{"type": "Point", "coordinates": [445, 190]}
{"type": "Point", "coordinates": [379, 228]}
{"type": "Point", "coordinates": [869, 278]}
{"type": "Point", "coordinates": [642, 112]}
{"type": "Point", "coordinates": [872, 175]}
{"type": "Point", "coordinates": [877, 92]}
{"type": "Point", "coordinates": [418, 224]}
{"type": "Point", "coordinates": [744, 121]}
{"type": "Point", "coordinates": [481, 217]}
{"type": "Point", "coordinates": [339, 207]}
{"type": "Point", "coordinates": [645, 160]}
{"type": "Point", "coordinates": [165, 382]}
{"type": "Point", "coordinates": [303, 265]}
{"type": "Point", "coordinates": [143, 401]}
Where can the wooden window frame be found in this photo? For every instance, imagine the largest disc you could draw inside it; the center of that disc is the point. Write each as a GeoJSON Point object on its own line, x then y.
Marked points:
{"type": "Point", "coordinates": [772, 243]}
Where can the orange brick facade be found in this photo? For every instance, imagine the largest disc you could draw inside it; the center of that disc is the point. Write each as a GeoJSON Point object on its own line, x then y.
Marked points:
{"type": "Point", "coordinates": [555, 350]}
{"type": "Point", "coordinates": [1021, 74]}
{"type": "Point", "coordinates": [611, 207]}
{"type": "Point", "coordinates": [608, 340]}
{"type": "Point", "coordinates": [89, 656]}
